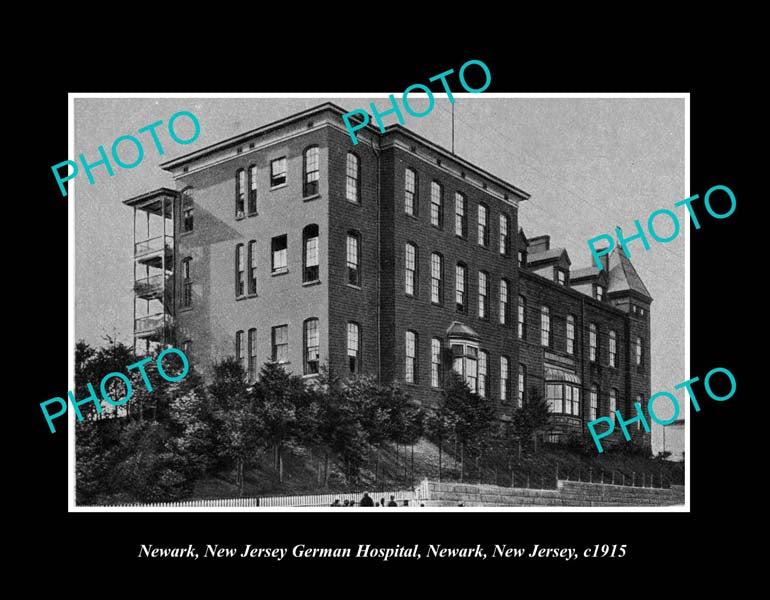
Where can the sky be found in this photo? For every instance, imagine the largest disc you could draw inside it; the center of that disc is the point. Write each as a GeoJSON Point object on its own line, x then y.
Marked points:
{"type": "Point", "coordinates": [589, 164]}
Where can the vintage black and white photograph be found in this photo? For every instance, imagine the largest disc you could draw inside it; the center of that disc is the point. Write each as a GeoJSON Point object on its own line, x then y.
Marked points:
{"type": "Point", "coordinates": [277, 311]}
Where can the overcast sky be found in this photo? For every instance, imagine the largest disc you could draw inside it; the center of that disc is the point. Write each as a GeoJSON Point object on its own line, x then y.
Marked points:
{"type": "Point", "coordinates": [589, 164]}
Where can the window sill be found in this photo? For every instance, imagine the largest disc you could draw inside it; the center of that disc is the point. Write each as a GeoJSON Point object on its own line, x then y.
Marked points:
{"type": "Point", "coordinates": [311, 283]}
{"type": "Point", "coordinates": [184, 309]}
{"type": "Point", "coordinates": [245, 297]}
{"type": "Point", "coordinates": [184, 233]}
{"type": "Point", "coordinates": [355, 287]}
{"type": "Point", "coordinates": [309, 198]}
{"type": "Point", "coordinates": [412, 296]}
{"type": "Point", "coordinates": [354, 202]}
{"type": "Point", "coordinates": [411, 216]}
{"type": "Point", "coordinates": [462, 237]}
{"type": "Point", "coordinates": [278, 273]}
{"type": "Point", "coordinates": [310, 376]}
{"type": "Point", "coordinates": [440, 304]}
{"type": "Point", "coordinates": [240, 217]}
{"type": "Point", "coordinates": [439, 227]}
{"type": "Point", "coordinates": [278, 187]}
{"type": "Point", "coordinates": [254, 214]}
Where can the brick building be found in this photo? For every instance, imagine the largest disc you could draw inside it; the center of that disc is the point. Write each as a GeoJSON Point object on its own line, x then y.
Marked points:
{"type": "Point", "coordinates": [392, 257]}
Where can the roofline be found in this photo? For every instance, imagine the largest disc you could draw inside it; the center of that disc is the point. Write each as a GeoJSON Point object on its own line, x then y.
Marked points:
{"type": "Point", "coordinates": [149, 195]}
{"type": "Point", "coordinates": [572, 292]}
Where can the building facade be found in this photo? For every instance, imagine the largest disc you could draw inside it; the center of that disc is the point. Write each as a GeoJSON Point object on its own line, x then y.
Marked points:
{"type": "Point", "coordinates": [394, 258]}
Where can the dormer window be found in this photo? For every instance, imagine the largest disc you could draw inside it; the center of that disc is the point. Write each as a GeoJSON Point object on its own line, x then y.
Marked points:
{"type": "Point", "coordinates": [599, 292]}
{"type": "Point", "coordinates": [522, 258]}
{"type": "Point", "coordinates": [561, 277]}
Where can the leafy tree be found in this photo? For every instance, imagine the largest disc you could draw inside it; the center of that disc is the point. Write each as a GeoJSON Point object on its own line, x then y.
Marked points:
{"type": "Point", "coordinates": [190, 424]}
{"type": "Point", "coordinates": [439, 426]}
{"type": "Point", "coordinates": [533, 417]}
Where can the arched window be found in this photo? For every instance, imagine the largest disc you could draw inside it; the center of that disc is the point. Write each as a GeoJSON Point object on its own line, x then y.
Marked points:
{"type": "Point", "coordinates": [594, 402]}
{"type": "Point", "coordinates": [312, 346]}
{"type": "Point", "coordinates": [410, 353]}
{"type": "Point", "coordinates": [354, 347]}
{"type": "Point", "coordinates": [240, 193]}
{"type": "Point", "coordinates": [187, 282]}
{"type": "Point", "coordinates": [188, 206]}
{"type": "Point", "coordinates": [522, 329]}
{"type": "Point", "coordinates": [352, 176]}
{"type": "Point", "coordinates": [570, 334]}
{"type": "Point", "coordinates": [436, 204]}
{"type": "Point", "coordinates": [483, 373]}
{"type": "Point", "coordinates": [461, 215]}
{"type": "Point", "coordinates": [410, 269]}
{"type": "Point", "coordinates": [411, 198]}
{"type": "Point", "coordinates": [436, 278]}
{"type": "Point", "coordinates": [312, 173]}
{"type": "Point", "coordinates": [639, 352]}
{"type": "Point", "coordinates": [483, 295]}
{"type": "Point", "coordinates": [503, 305]}
{"type": "Point", "coordinates": [460, 287]}
{"type": "Point", "coordinates": [240, 350]}
{"type": "Point", "coordinates": [545, 326]}
{"type": "Point", "coordinates": [505, 238]}
{"type": "Point", "coordinates": [483, 231]}
{"type": "Point", "coordinates": [522, 384]}
{"type": "Point", "coordinates": [504, 377]}
{"type": "Point", "coordinates": [613, 402]}
{"type": "Point", "coordinates": [354, 258]}
{"type": "Point", "coordinates": [310, 253]}
{"type": "Point", "coordinates": [253, 190]}
{"type": "Point", "coordinates": [435, 362]}
{"type": "Point", "coordinates": [613, 349]}
{"type": "Point", "coordinates": [252, 372]}
{"type": "Point", "coordinates": [240, 271]}
{"type": "Point", "coordinates": [593, 349]}
{"type": "Point", "coordinates": [252, 279]}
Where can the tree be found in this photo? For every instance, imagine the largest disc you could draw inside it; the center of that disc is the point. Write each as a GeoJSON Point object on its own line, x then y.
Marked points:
{"type": "Point", "coordinates": [404, 420]}
{"type": "Point", "coordinates": [237, 428]}
{"type": "Point", "coordinates": [439, 426]}
{"type": "Point", "coordinates": [533, 417]}
{"type": "Point", "coordinates": [190, 424]}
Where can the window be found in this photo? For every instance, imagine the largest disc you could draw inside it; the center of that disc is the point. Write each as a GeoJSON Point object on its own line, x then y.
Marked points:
{"type": "Point", "coordinates": [594, 409]}
{"type": "Point", "coordinates": [521, 325]}
{"type": "Point", "coordinates": [522, 385]}
{"type": "Point", "coordinates": [545, 326]}
{"type": "Point", "coordinates": [461, 219]}
{"type": "Point", "coordinates": [310, 160]}
{"type": "Point", "coordinates": [310, 254]}
{"type": "Point", "coordinates": [435, 362]}
{"type": "Point", "coordinates": [613, 402]}
{"type": "Point", "coordinates": [592, 347]}
{"type": "Point", "coordinates": [280, 339]}
{"type": "Point", "coordinates": [410, 368]}
{"type": "Point", "coordinates": [312, 345]}
{"type": "Point", "coordinates": [561, 277]}
{"type": "Point", "coordinates": [187, 210]}
{"type": "Point", "coordinates": [436, 278]}
{"type": "Point", "coordinates": [504, 378]}
{"type": "Point", "coordinates": [352, 174]}
{"type": "Point", "coordinates": [563, 397]}
{"type": "Point", "coordinates": [570, 334]}
{"type": "Point", "coordinates": [240, 271]}
{"type": "Point", "coordinates": [187, 283]}
{"type": "Point", "coordinates": [410, 269]}
{"type": "Point", "coordinates": [278, 172]}
{"type": "Point", "coordinates": [240, 350]}
{"type": "Point", "coordinates": [483, 373]}
{"type": "Point", "coordinates": [354, 258]}
{"type": "Point", "coordinates": [483, 294]}
{"type": "Point", "coordinates": [503, 306]}
{"type": "Point", "coordinates": [599, 292]}
{"type": "Point", "coordinates": [354, 345]}
{"type": "Point", "coordinates": [410, 192]}
{"type": "Point", "coordinates": [187, 348]}
{"type": "Point", "coordinates": [522, 258]}
{"type": "Point", "coordinates": [639, 425]}
{"type": "Point", "coordinates": [465, 359]}
{"type": "Point", "coordinates": [436, 204]}
{"type": "Point", "coordinates": [279, 251]}
{"type": "Point", "coordinates": [252, 267]}
{"type": "Point", "coordinates": [240, 193]}
{"type": "Point", "coordinates": [460, 273]}
{"type": "Point", "coordinates": [613, 349]}
{"type": "Point", "coordinates": [505, 240]}
{"type": "Point", "coordinates": [253, 190]}
{"type": "Point", "coordinates": [638, 351]}
{"type": "Point", "coordinates": [483, 225]}
{"type": "Point", "coordinates": [252, 370]}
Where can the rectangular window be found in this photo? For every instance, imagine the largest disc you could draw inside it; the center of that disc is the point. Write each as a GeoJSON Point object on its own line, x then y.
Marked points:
{"type": "Point", "coordinates": [279, 250]}
{"type": "Point", "coordinates": [522, 259]}
{"type": "Point", "coordinates": [471, 367]}
{"type": "Point", "coordinates": [613, 347]}
{"type": "Point", "coordinates": [461, 219]}
{"type": "Point", "coordinates": [594, 408]}
{"type": "Point", "coordinates": [435, 362]}
{"type": "Point", "coordinates": [252, 267]}
{"type": "Point", "coordinates": [187, 283]}
{"type": "Point", "coordinates": [410, 192]}
{"type": "Point", "coordinates": [240, 193]}
{"type": "Point", "coordinates": [503, 312]}
{"type": "Point", "coordinates": [554, 395]}
{"type": "Point", "coordinates": [483, 294]}
{"type": "Point", "coordinates": [312, 174]}
{"type": "Point", "coordinates": [505, 241]}
{"type": "Point", "coordinates": [240, 271]}
{"type": "Point", "coordinates": [483, 373]}
{"type": "Point", "coordinates": [312, 347]}
{"type": "Point", "coordinates": [252, 369]}
{"type": "Point", "coordinates": [639, 353]}
{"type": "Point", "coordinates": [353, 259]}
{"type": "Point", "coordinates": [561, 277]}
{"type": "Point", "coordinates": [187, 211]}
{"type": "Point", "coordinates": [504, 379]}
{"type": "Point", "coordinates": [592, 343]}
{"type": "Point", "coordinates": [436, 204]}
{"type": "Point", "coordinates": [460, 287]}
{"type": "Point", "coordinates": [483, 226]}
{"type": "Point", "coordinates": [280, 339]}
{"type": "Point", "coordinates": [521, 325]}
{"type": "Point", "coordinates": [570, 334]}
{"type": "Point", "coordinates": [599, 292]}
{"type": "Point", "coordinates": [410, 269]}
{"type": "Point", "coordinates": [354, 342]}
{"type": "Point", "coordinates": [351, 178]}
{"type": "Point", "coordinates": [310, 258]}
{"type": "Point", "coordinates": [613, 403]}
{"type": "Point", "coordinates": [240, 350]}
{"type": "Point", "coordinates": [436, 278]}
{"type": "Point", "coordinates": [545, 326]}
{"type": "Point", "coordinates": [410, 368]}
{"type": "Point", "coordinates": [253, 190]}
{"type": "Point", "coordinates": [278, 172]}
{"type": "Point", "coordinates": [522, 385]}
